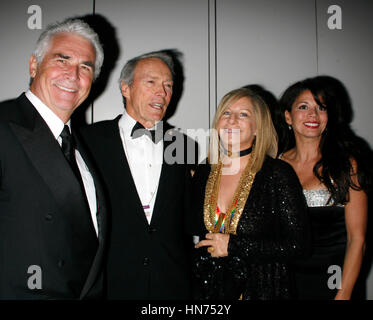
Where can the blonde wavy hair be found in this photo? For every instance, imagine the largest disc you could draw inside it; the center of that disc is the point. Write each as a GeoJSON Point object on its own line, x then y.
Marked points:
{"type": "Point", "coordinates": [266, 141]}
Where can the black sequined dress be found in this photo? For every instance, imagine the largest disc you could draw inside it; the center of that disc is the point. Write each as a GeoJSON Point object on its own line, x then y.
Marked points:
{"type": "Point", "coordinates": [317, 277]}
{"type": "Point", "coordinates": [272, 231]}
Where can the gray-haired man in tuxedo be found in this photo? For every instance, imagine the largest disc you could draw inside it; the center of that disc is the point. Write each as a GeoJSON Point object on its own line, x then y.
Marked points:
{"type": "Point", "coordinates": [52, 208]}
{"type": "Point", "coordinates": [148, 245]}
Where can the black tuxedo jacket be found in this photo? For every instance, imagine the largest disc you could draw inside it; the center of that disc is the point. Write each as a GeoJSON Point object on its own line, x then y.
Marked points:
{"type": "Point", "coordinates": [48, 246]}
{"type": "Point", "coordinates": [144, 261]}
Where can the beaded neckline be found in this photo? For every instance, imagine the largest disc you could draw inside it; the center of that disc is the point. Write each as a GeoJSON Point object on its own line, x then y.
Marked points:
{"type": "Point", "coordinates": [216, 221]}
{"type": "Point", "coordinates": [319, 198]}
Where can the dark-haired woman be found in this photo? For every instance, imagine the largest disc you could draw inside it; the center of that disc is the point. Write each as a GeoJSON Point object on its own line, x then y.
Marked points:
{"type": "Point", "coordinates": [334, 181]}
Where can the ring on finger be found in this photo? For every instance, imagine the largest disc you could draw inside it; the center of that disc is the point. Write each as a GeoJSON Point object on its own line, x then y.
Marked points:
{"type": "Point", "coordinates": [210, 249]}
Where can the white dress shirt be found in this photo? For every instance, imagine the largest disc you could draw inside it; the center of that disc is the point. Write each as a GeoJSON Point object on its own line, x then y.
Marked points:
{"type": "Point", "coordinates": [56, 126]}
{"type": "Point", "coordinates": [145, 160]}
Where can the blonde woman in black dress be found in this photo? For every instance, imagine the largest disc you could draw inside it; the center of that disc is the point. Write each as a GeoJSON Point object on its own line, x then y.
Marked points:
{"type": "Point", "coordinates": [252, 213]}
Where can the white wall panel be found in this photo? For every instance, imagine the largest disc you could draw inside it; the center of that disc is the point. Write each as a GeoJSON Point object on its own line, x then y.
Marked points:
{"type": "Point", "coordinates": [346, 54]}
{"type": "Point", "coordinates": [267, 42]}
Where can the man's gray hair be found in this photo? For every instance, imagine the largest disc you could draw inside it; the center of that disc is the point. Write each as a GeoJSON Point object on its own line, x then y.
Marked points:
{"type": "Point", "coordinates": [75, 26]}
{"type": "Point", "coordinates": [127, 73]}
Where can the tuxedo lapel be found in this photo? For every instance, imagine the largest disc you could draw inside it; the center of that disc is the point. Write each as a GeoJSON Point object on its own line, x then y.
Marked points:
{"type": "Point", "coordinates": [45, 154]}
{"type": "Point", "coordinates": [100, 194]}
{"type": "Point", "coordinates": [100, 215]}
{"type": "Point", "coordinates": [167, 173]}
{"type": "Point", "coordinates": [123, 174]}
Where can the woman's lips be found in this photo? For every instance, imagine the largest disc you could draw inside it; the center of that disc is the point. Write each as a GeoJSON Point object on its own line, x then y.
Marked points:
{"type": "Point", "coordinates": [312, 125]}
{"type": "Point", "coordinates": [231, 130]}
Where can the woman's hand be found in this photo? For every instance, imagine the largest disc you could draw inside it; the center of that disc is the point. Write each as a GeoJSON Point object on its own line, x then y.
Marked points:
{"type": "Point", "coordinates": [217, 244]}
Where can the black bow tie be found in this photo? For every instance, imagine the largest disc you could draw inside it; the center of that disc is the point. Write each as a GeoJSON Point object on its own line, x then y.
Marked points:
{"type": "Point", "coordinates": [139, 130]}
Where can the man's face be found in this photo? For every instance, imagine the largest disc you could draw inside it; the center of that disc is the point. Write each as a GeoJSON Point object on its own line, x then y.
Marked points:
{"type": "Point", "coordinates": [64, 77]}
{"type": "Point", "coordinates": [148, 97]}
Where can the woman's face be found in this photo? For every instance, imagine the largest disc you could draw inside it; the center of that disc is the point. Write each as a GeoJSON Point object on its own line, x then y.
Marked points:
{"type": "Point", "coordinates": [237, 125]}
{"type": "Point", "coordinates": [307, 118]}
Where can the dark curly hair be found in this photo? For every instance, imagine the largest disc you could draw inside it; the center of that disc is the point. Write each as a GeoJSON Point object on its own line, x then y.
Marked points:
{"type": "Point", "coordinates": [339, 145]}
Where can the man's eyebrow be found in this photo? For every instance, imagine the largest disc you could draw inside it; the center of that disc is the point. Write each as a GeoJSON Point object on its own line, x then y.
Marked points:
{"type": "Point", "coordinates": [87, 63]}
{"type": "Point", "coordinates": [154, 76]}
{"type": "Point", "coordinates": [60, 55]}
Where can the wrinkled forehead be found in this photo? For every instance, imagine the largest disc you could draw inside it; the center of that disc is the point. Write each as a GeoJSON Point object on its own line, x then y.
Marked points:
{"type": "Point", "coordinates": [71, 42]}
{"type": "Point", "coordinates": [153, 66]}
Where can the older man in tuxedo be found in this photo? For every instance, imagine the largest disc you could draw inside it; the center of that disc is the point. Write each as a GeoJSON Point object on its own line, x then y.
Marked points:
{"type": "Point", "coordinates": [52, 208]}
{"type": "Point", "coordinates": [150, 236]}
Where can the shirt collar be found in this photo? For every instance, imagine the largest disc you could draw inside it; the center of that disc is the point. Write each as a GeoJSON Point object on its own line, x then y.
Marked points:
{"type": "Point", "coordinates": [126, 124]}
{"type": "Point", "coordinates": [54, 123]}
